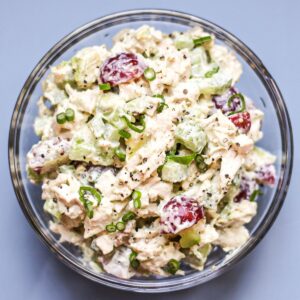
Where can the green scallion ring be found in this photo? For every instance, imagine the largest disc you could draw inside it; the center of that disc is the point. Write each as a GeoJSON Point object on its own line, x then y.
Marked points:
{"type": "Point", "coordinates": [184, 160]}
{"type": "Point", "coordinates": [136, 197]}
{"type": "Point", "coordinates": [202, 166]}
{"type": "Point", "coordinates": [172, 266]}
{"type": "Point", "coordinates": [120, 226]}
{"type": "Point", "coordinates": [202, 40]}
{"type": "Point", "coordinates": [134, 263]}
{"type": "Point", "coordinates": [128, 216]}
{"type": "Point", "coordinates": [89, 209]}
{"type": "Point", "coordinates": [212, 72]}
{"type": "Point", "coordinates": [120, 154]}
{"type": "Point", "coordinates": [83, 190]}
{"type": "Point", "coordinates": [70, 114]}
{"type": "Point", "coordinates": [105, 86]}
{"type": "Point", "coordinates": [88, 205]}
{"type": "Point", "coordinates": [254, 195]}
{"type": "Point", "coordinates": [61, 118]}
{"type": "Point", "coordinates": [158, 96]}
{"type": "Point", "coordinates": [111, 227]}
{"type": "Point", "coordinates": [243, 103]}
{"type": "Point", "coordinates": [124, 134]}
{"type": "Point", "coordinates": [150, 74]}
{"type": "Point", "coordinates": [135, 127]}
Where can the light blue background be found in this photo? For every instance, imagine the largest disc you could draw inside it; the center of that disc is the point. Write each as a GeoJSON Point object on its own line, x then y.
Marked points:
{"type": "Point", "coordinates": [28, 29]}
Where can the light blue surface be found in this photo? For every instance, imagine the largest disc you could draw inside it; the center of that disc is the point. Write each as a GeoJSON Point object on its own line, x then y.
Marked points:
{"type": "Point", "coordinates": [28, 29]}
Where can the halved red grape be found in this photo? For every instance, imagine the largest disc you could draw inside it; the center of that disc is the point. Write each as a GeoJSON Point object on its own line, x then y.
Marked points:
{"type": "Point", "coordinates": [266, 175]}
{"type": "Point", "coordinates": [179, 213]}
{"type": "Point", "coordinates": [121, 68]}
{"type": "Point", "coordinates": [242, 121]}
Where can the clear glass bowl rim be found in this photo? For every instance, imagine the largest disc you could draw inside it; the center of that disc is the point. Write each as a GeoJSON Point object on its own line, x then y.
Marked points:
{"type": "Point", "coordinates": [176, 283]}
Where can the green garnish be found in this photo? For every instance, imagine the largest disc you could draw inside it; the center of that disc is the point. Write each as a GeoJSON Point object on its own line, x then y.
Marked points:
{"type": "Point", "coordinates": [111, 227]}
{"type": "Point", "coordinates": [85, 193]}
{"type": "Point", "coordinates": [120, 154]}
{"type": "Point", "coordinates": [70, 114]}
{"type": "Point", "coordinates": [158, 96]}
{"type": "Point", "coordinates": [243, 103]}
{"type": "Point", "coordinates": [61, 118]}
{"type": "Point", "coordinates": [149, 74]}
{"type": "Point", "coordinates": [130, 215]}
{"type": "Point", "coordinates": [134, 263]}
{"type": "Point", "coordinates": [208, 56]}
{"type": "Point", "coordinates": [124, 134]}
{"type": "Point", "coordinates": [202, 166]}
{"type": "Point", "coordinates": [162, 104]}
{"type": "Point", "coordinates": [135, 127]}
{"type": "Point", "coordinates": [172, 266]}
{"type": "Point", "coordinates": [184, 160]}
{"type": "Point", "coordinates": [120, 226]}
{"type": "Point", "coordinates": [104, 86]}
{"type": "Point", "coordinates": [210, 73]}
{"type": "Point", "coordinates": [202, 40]}
{"type": "Point", "coordinates": [136, 197]}
{"type": "Point", "coordinates": [254, 195]}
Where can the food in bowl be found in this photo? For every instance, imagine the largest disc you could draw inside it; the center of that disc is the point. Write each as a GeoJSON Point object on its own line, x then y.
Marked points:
{"type": "Point", "coordinates": [147, 155]}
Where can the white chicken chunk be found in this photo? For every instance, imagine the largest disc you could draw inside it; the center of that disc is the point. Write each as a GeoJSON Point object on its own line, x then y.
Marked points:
{"type": "Point", "coordinates": [119, 264]}
{"type": "Point", "coordinates": [231, 238]}
{"type": "Point", "coordinates": [47, 155]}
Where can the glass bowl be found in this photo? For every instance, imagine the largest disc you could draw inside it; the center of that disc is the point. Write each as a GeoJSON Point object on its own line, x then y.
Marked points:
{"type": "Point", "coordinates": [256, 82]}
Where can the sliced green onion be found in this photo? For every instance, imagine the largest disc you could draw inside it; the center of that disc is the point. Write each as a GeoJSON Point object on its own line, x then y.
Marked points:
{"type": "Point", "coordinates": [149, 74]}
{"type": "Point", "coordinates": [159, 169]}
{"type": "Point", "coordinates": [120, 226]}
{"type": "Point", "coordinates": [135, 127]}
{"type": "Point", "coordinates": [212, 72]}
{"type": "Point", "coordinates": [134, 263]}
{"type": "Point", "coordinates": [70, 114]}
{"type": "Point", "coordinates": [120, 154]}
{"type": "Point", "coordinates": [124, 134]}
{"type": "Point", "coordinates": [104, 86]}
{"type": "Point", "coordinates": [243, 103]}
{"type": "Point", "coordinates": [89, 208]}
{"type": "Point", "coordinates": [184, 160]}
{"type": "Point", "coordinates": [208, 56]}
{"type": "Point", "coordinates": [161, 107]}
{"type": "Point", "coordinates": [254, 195]}
{"type": "Point", "coordinates": [172, 266]}
{"type": "Point", "coordinates": [202, 40]}
{"type": "Point", "coordinates": [136, 197]}
{"type": "Point", "coordinates": [158, 96]}
{"type": "Point", "coordinates": [128, 216]}
{"type": "Point", "coordinates": [111, 227]}
{"type": "Point", "coordinates": [61, 118]}
{"type": "Point", "coordinates": [202, 166]}
{"type": "Point", "coordinates": [88, 204]}
{"type": "Point", "coordinates": [162, 104]}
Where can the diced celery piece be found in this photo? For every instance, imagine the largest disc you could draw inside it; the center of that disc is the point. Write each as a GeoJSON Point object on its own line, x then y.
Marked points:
{"type": "Point", "coordinates": [198, 56]}
{"type": "Point", "coordinates": [51, 207]}
{"type": "Point", "coordinates": [217, 84]}
{"type": "Point", "coordinates": [189, 238]}
{"type": "Point", "coordinates": [191, 135]}
{"type": "Point", "coordinates": [97, 125]}
{"type": "Point", "coordinates": [183, 41]}
{"type": "Point", "coordinates": [174, 172]}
